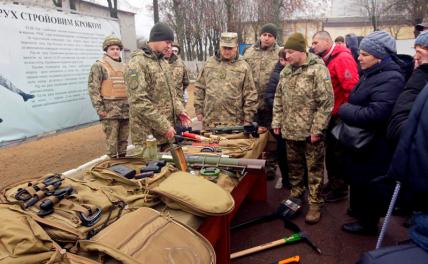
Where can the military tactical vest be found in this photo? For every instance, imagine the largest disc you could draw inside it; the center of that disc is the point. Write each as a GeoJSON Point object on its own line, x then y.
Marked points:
{"type": "Point", "coordinates": [114, 87]}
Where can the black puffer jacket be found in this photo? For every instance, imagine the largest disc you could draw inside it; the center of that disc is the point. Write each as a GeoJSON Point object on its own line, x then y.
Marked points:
{"type": "Point", "coordinates": [269, 95]}
{"type": "Point", "coordinates": [409, 164]}
{"type": "Point", "coordinates": [370, 106]}
{"type": "Point", "coordinates": [405, 101]}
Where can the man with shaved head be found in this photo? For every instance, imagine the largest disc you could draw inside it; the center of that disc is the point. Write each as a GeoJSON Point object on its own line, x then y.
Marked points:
{"type": "Point", "coordinates": [344, 76]}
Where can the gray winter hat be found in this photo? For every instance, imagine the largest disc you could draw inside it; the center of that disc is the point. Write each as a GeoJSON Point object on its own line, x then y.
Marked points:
{"type": "Point", "coordinates": [379, 44]}
{"type": "Point", "coordinates": [422, 39]}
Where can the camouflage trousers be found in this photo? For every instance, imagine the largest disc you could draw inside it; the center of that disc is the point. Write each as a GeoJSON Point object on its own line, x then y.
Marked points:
{"type": "Point", "coordinates": [116, 131]}
{"type": "Point", "coordinates": [304, 157]}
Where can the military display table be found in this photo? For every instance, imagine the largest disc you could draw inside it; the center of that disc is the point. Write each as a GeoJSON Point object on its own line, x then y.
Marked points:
{"type": "Point", "coordinates": [216, 229]}
{"type": "Point", "coordinates": [252, 186]}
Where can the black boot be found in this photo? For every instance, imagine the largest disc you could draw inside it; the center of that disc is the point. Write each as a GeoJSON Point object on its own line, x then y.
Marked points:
{"type": "Point", "coordinates": [358, 228]}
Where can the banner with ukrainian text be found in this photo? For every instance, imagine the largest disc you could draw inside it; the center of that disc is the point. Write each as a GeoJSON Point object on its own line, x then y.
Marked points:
{"type": "Point", "coordinates": [44, 64]}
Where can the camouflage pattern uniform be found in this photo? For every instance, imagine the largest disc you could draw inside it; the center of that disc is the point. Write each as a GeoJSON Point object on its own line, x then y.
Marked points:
{"type": "Point", "coordinates": [302, 107]}
{"type": "Point", "coordinates": [115, 123]}
{"type": "Point", "coordinates": [153, 101]}
{"type": "Point", "coordinates": [180, 79]}
{"type": "Point", "coordinates": [262, 62]}
{"type": "Point", "coordinates": [225, 93]}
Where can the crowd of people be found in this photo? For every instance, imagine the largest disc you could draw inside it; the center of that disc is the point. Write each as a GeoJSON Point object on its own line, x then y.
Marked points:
{"type": "Point", "coordinates": [342, 106]}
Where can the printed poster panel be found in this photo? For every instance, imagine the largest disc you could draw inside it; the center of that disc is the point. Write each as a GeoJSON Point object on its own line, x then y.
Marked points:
{"type": "Point", "coordinates": [45, 60]}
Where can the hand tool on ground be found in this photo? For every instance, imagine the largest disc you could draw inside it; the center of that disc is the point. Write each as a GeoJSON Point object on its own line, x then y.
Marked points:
{"type": "Point", "coordinates": [294, 238]}
{"type": "Point", "coordinates": [291, 260]}
{"type": "Point", "coordinates": [286, 210]}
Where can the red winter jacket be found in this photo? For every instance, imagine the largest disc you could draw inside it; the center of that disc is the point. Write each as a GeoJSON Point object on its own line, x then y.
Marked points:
{"type": "Point", "coordinates": [344, 74]}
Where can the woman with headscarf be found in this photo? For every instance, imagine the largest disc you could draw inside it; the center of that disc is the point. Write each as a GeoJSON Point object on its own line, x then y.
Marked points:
{"type": "Point", "coordinates": [369, 107]}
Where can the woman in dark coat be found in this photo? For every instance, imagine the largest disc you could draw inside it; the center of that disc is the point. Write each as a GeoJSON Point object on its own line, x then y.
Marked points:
{"type": "Point", "coordinates": [369, 107]}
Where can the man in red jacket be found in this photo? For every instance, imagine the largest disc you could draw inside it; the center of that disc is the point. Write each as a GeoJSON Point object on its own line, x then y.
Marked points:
{"type": "Point", "coordinates": [344, 76]}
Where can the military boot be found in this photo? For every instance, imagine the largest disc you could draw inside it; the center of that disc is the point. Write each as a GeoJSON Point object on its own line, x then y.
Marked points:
{"type": "Point", "coordinates": [313, 215]}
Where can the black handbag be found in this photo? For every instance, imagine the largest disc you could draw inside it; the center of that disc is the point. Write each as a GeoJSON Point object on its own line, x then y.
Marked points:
{"type": "Point", "coordinates": [354, 137]}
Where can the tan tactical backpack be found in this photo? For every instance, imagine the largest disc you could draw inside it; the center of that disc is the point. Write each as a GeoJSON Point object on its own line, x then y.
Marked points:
{"type": "Point", "coordinates": [147, 236]}
{"type": "Point", "coordinates": [23, 240]}
{"type": "Point", "coordinates": [68, 209]}
{"type": "Point", "coordinates": [134, 192]}
{"type": "Point", "coordinates": [144, 236]}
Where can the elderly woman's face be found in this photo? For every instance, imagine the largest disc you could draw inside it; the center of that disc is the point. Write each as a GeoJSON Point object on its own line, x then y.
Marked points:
{"type": "Point", "coordinates": [366, 60]}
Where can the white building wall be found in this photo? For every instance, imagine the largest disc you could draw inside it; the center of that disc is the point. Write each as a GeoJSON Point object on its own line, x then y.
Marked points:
{"type": "Point", "coordinates": [126, 19]}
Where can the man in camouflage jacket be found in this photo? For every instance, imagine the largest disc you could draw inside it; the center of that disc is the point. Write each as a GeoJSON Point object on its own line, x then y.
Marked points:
{"type": "Point", "coordinates": [262, 58]}
{"type": "Point", "coordinates": [180, 79]}
{"type": "Point", "coordinates": [107, 91]}
{"type": "Point", "coordinates": [153, 101]}
{"type": "Point", "coordinates": [224, 92]}
{"type": "Point", "coordinates": [301, 112]}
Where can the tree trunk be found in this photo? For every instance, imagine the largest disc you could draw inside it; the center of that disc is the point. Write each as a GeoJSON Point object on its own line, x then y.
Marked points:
{"type": "Point", "coordinates": [179, 22]}
{"type": "Point", "coordinates": [229, 12]}
{"type": "Point", "coordinates": [156, 11]}
{"type": "Point", "coordinates": [112, 6]}
{"type": "Point", "coordinates": [277, 19]}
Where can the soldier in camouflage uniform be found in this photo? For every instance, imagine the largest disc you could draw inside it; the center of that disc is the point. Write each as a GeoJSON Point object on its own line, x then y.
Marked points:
{"type": "Point", "coordinates": [179, 76]}
{"type": "Point", "coordinates": [107, 91]}
{"type": "Point", "coordinates": [153, 101]}
{"type": "Point", "coordinates": [301, 112]}
{"type": "Point", "coordinates": [224, 92]}
{"type": "Point", "coordinates": [262, 58]}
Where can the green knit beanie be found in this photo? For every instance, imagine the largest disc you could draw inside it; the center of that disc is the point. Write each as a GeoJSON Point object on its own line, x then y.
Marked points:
{"type": "Point", "coordinates": [160, 32]}
{"type": "Point", "coordinates": [269, 28]}
{"type": "Point", "coordinates": [296, 42]}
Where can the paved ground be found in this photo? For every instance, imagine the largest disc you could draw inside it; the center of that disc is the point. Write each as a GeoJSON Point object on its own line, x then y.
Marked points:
{"type": "Point", "coordinates": [337, 246]}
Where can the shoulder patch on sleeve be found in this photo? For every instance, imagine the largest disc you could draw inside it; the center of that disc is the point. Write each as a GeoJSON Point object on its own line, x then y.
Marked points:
{"type": "Point", "coordinates": [348, 74]}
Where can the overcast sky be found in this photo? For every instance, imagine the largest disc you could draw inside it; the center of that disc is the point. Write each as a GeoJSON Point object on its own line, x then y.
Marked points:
{"type": "Point", "coordinates": [143, 18]}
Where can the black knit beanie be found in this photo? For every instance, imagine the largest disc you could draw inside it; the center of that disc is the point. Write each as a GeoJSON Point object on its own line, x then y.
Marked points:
{"type": "Point", "coordinates": [269, 28]}
{"type": "Point", "coordinates": [160, 32]}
